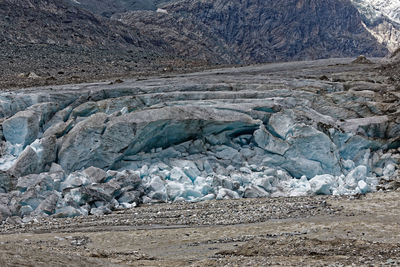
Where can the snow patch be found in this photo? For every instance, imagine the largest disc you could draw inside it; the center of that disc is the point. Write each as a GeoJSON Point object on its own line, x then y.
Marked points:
{"type": "Point", "coordinates": [163, 11]}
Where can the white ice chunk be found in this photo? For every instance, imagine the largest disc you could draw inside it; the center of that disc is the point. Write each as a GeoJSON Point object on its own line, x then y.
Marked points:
{"type": "Point", "coordinates": [163, 11]}
{"type": "Point", "coordinates": [174, 189]}
{"type": "Point", "coordinates": [203, 185]}
{"type": "Point", "coordinates": [356, 175]}
{"type": "Point", "coordinates": [363, 186]}
{"type": "Point", "coordinates": [177, 174]}
{"type": "Point", "coordinates": [348, 164]}
{"type": "Point", "coordinates": [270, 143]}
{"type": "Point", "coordinates": [144, 171]}
{"type": "Point", "coordinates": [282, 123]}
{"type": "Point", "coordinates": [322, 184]}
{"type": "Point", "coordinates": [224, 193]}
{"type": "Point", "coordinates": [11, 153]}
{"type": "Point", "coordinates": [388, 171]}
{"type": "Point", "coordinates": [189, 168]}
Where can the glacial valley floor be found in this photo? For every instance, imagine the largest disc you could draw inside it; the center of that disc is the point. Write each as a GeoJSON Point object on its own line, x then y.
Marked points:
{"type": "Point", "coordinates": [299, 231]}
{"type": "Point", "coordinates": [362, 230]}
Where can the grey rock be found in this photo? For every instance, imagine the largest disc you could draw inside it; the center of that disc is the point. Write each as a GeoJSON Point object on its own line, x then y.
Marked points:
{"type": "Point", "coordinates": [7, 181]}
{"type": "Point", "coordinates": [67, 212]}
{"type": "Point", "coordinates": [4, 212]}
{"type": "Point", "coordinates": [130, 197]}
{"type": "Point", "coordinates": [48, 205]}
{"type": "Point", "coordinates": [59, 129]}
{"type": "Point", "coordinates": [100, 211]}
{"type": "Point", "coordinates": [43, 181]}
{"type": "Point", "coordinates": [55, 168]}
{"type": "Point", "coordinates": [27, 163]}
{"type": "Point", "coordinates": [32, 198]}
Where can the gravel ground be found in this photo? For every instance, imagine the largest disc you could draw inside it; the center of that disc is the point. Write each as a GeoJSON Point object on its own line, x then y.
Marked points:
{"type": "Point", "coordinates": [317, 231]}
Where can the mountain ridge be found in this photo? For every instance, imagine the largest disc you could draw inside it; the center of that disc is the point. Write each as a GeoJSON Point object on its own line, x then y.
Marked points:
{"type": "Point", "coordinates": [64, 42]}
{"type": "Point", "coordinates": [252, 31]}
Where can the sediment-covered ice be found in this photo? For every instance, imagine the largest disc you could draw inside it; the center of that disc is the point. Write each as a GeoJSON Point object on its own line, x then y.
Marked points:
{"type": "Point", "coordinates": [104, 147]}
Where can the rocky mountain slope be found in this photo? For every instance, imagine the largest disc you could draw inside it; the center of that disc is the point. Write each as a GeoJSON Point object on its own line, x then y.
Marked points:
{"type": "Point", "coordinates": [382, 19]}
{"type": "Point", "coordinates": [259, 31]}
{"type": "Point", "coordinates": [109, 7]}
{"type": "Point", "coordinates": [50, 22]}
{"type": "Point", "coordinates": [63, 42]}
{"type": "Point", "coordinates": [58, 42]}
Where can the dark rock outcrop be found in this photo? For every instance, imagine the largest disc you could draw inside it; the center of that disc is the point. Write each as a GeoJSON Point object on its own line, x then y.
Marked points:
{"type": "Point", "coordinates": [258, 31]}
{"type": "Point", "coordinates": [107, 8]}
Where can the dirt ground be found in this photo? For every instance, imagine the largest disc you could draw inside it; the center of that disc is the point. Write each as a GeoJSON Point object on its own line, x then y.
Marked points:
{"type": "Point", "coordinates": [313, 231]}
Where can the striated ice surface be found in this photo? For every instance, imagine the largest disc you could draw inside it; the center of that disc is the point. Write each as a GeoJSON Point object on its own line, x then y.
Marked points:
{"type": "Point", "coordinates": [192, 138]}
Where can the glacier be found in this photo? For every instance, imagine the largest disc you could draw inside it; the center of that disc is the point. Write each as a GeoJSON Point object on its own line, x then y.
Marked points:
{"type": "Point", "coordinates": [260, 131]}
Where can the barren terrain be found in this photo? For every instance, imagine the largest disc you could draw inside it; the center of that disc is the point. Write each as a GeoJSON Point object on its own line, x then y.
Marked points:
{"type": "Point", "coordinates": [336, 231]}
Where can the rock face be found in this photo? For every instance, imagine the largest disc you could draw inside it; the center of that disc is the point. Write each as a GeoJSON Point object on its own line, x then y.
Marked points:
{"type": "Point", "coordinates": [81, 45]}
{"type": "Point", "coordinates": [382, 19]}
{"type": "Point", "coordinates": [270, 130]}
{"type": "Point", "coordinates": [258, 31]}
{"type": "Point", "coordinates": [109, 7]}
{"type": "Point", "coordinates": [59, 39]}
{"type": "Point", "coordinates": [59, 24]}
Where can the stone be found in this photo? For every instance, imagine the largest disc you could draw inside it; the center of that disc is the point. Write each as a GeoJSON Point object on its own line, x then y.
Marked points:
{"type": "Point", "coordinates": [4, 212]}
{"type": "Point", "coordinates": [130, 197]}
{"type": "Point", "coordinates": [100, 211]}
{"type": "Point", "coordinates": [7, 181]}
{"type": "Point", "coordinates": [48, 205]}
{"type": "Point", "coordinates": [27, 163]}
{"type": "Point", "coordinates": [67, 212]}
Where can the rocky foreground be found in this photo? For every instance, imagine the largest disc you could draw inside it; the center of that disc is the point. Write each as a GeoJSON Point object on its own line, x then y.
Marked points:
{"type": "Point", "coordinates": [288, 129]}
{"type": "Point", "coordinates": [297, 231]}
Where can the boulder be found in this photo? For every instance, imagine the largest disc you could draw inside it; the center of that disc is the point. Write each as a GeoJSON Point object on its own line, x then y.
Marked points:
{"type": "Point", "coordinates": [7, 181]}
